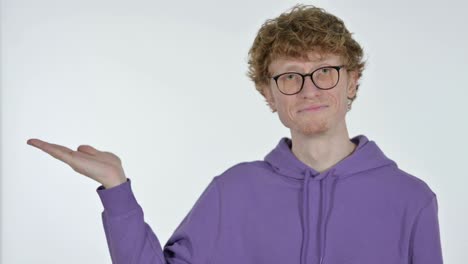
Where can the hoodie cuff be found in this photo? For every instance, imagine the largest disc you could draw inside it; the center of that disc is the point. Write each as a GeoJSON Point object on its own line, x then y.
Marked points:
{"type": "Point", "coordinates": [119, 199]}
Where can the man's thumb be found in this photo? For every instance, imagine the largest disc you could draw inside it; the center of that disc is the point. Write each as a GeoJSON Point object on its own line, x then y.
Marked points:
{"type": "Point", "coordinates": [87, 149]}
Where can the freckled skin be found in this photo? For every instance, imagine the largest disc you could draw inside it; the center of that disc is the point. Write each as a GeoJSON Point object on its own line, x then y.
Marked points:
{"type": "Point", "coordinates": [308, 123]}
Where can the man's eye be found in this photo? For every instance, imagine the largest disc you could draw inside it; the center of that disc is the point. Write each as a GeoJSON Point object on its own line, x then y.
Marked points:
{"type": "Point", "coordinates": [325, 70]}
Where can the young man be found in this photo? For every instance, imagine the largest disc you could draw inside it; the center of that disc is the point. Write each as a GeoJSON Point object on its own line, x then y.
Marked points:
{"type": "Point", "coordinates": [318, 197]}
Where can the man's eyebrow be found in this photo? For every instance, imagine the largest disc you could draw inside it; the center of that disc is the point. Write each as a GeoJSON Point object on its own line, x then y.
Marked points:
{"type": "Point", "coordinates": [292, 65]}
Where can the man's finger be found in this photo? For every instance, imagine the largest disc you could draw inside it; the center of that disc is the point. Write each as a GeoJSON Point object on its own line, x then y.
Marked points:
{"type": "Point", "coordinates": [57, 151]}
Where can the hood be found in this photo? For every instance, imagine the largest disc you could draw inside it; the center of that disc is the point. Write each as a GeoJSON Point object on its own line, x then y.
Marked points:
{"type": "Point", "coordinates": [366, 156]}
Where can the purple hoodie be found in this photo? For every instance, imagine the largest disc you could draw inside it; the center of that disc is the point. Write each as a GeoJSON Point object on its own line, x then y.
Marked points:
{"type": "Point", "coordinates": [363, 210]}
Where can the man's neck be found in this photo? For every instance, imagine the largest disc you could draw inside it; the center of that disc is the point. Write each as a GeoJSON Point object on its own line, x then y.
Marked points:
{"type": "Point", "coordinates": [323, 151]}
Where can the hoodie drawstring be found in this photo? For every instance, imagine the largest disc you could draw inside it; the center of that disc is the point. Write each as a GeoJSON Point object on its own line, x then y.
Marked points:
{"type": "Point", "coordinates": [305, 214]}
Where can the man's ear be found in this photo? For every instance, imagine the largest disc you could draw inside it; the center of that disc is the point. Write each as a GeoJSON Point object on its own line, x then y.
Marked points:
{"type": "Point", "coordinates": [352, 83]}
{"type": "Point", "coordinates": [269, 97]}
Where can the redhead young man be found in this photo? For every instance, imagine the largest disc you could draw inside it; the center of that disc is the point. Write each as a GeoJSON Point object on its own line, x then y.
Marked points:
{"type": "Point", "coordinates": [318, 197]}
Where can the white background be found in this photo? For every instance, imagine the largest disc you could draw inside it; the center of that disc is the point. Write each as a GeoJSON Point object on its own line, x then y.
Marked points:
{"type": "Point", "coordinates": [163, 85]}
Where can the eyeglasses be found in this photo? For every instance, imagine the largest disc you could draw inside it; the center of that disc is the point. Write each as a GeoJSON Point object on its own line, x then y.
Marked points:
{"type": "Point", "coordinates": [324, 78]}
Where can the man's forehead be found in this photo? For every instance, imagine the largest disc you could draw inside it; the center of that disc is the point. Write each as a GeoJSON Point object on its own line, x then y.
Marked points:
{"type": "Point", "coordinates": [311, 57]}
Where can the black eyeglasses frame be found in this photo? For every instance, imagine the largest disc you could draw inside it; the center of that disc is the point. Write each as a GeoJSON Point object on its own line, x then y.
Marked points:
{"type": "Point", "coordinates": [337, 68]}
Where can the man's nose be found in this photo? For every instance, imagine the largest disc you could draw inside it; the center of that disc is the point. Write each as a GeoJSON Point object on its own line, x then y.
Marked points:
{"type": "Point", "coordinates": [309, 86]}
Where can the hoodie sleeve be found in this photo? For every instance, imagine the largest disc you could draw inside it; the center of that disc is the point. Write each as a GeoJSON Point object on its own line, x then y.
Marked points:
{"type": "Point", "coordinates": [131, 240]}
{"type": "Point", "coordinates": [425, 243]}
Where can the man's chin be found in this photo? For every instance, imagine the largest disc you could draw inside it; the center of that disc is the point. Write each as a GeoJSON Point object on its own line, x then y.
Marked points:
{"type": "Point", "coordinates": [313, 129]}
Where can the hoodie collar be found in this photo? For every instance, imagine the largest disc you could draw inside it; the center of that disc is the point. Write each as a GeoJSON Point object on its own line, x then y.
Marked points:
{"type": "Point", "coordinates": [366, 156]}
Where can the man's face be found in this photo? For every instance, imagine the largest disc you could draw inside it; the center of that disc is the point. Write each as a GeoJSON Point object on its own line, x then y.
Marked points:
{"type": "Point", "coordinates": [290, 107]}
